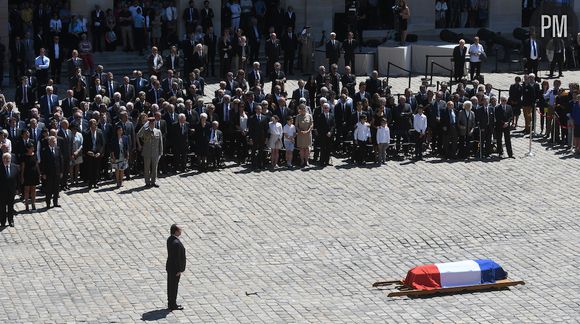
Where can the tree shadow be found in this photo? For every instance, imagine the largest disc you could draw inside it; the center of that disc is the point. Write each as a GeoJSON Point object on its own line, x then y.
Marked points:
{"type": "Point", "coordinates": [155, 315]}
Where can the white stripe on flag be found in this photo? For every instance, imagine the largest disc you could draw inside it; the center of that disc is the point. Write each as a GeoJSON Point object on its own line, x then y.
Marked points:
{"type": "Point", "coordinates": [462, 273]}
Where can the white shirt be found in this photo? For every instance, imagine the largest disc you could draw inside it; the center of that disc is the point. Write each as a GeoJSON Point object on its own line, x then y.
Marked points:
{"type": "Point", "coordinates": [290, 130]}
{"type": "Point", "coordinates": [276, 130]}
{"type": "Point", "coordinates": [236, 10]}
{"type": "Point", "coordinates": [551, 95]}
{"type": "Point", "coordinates": [56, 25]}
{"type": "Point", "coordinates": [533, 44]}
{"type": "Point", "coordinates": [244, 122]}
{"type": "Point", "coordinates": [420, 123]}
{"type": "Point", "coordinates": [362, 132]}
{"type": "Point", "coordinates": [56, 48]}
{"type": "Point", "coordinates": [474, 50]}
{"type": "Point", "coordinates": [383, 135]}
{"type": "Point", "coordinates": [8, 144]}
{"type": "Point", "coordinates": [170, 13]}
{"type": "Point", "coordinates": [42, 62]}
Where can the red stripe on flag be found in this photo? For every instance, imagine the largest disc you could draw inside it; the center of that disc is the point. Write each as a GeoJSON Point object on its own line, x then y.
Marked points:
{"type": "Point", "coordinates": [425, 277]}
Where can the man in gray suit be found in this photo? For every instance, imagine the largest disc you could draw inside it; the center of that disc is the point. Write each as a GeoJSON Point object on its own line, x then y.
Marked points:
{"type": "Point", "coordinates": [466, 126]}
{"type": "Point", "coordinates": [151, 151]}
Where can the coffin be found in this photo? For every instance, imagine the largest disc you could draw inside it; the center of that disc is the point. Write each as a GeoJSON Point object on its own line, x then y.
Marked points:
{"type": "Point", "coordinates": [454, 274]}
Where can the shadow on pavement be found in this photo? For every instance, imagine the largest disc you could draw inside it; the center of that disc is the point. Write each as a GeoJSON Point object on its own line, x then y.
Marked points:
{"type": "Point", "coordinates": [155, 315]}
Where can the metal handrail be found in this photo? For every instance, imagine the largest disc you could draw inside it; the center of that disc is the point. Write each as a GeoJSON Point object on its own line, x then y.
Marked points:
{"type": "Point", "coordinates": [400, 68]}
{"type": "Point", "coordinates": [499, 91]}
{"type": "Point", "coordinates": [443, 67]}
{"type": "Point", "coordinates": [427, 62]}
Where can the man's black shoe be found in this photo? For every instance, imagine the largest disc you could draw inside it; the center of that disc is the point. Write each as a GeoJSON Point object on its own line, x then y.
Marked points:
{"type": "Point", "coordinates": [176, 307]}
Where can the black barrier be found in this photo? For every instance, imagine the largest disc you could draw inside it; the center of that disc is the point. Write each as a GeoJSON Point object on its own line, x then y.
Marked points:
{"type": "Point", "coordinates": [443, 67]}
{"type": "Point", "coordinates": [400, 68]}
{"type": "Point", "coordinates": [427, 63]}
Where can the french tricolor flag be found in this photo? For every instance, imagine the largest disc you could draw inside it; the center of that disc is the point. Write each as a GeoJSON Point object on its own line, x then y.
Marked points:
{"type": "Point", "coordinates": [454, 274]}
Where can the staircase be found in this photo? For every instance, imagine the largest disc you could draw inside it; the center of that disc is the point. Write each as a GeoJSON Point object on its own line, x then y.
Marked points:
{"type": "Point", "coordinates": [121, 63]}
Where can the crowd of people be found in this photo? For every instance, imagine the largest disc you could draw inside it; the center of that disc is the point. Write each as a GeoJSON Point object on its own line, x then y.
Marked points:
{"type": "Point", "coordinates": [155, 121]}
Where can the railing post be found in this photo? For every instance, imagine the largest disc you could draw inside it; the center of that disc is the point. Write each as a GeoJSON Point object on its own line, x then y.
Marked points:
{"type": "Point", "coordinates": [388, 72]}
{"type": "Point", "coordinates": [426, 65]}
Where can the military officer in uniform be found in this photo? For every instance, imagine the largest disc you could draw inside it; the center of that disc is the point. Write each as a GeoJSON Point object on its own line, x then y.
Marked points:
{"type": "Point", "coordinates": [151, 151]}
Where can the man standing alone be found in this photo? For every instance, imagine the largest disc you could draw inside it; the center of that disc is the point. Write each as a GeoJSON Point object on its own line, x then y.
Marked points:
{"type": "Point", "coordinates": [175, 266]}
{"type": "Point", "coordinates": [152, 150]}
{"type": "Point", "coordinates": [8, 184]}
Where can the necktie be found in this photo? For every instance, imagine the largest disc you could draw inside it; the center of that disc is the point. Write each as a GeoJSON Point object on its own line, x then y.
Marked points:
{"type": "Point", "coordinates": [534, 48]}
{"type": "Point", "coordinates": [49, 103]}
{"type": "Point", "coordinates": [94, 141]}
{"type": "Point", "coordinates": [8, 171]}
{"type": "Point", "coordinates": [226, 112]}
{"type": "Point", "coordinates": [52, 149]}
{"type": "Point", "coordinates": [190, 14]}
{"type": "Point", "coordinates": [183, 129]}
{"type": "Point", "coordinates": [326, 116]}
{"type": "Point", "coordinates": [24, 96]}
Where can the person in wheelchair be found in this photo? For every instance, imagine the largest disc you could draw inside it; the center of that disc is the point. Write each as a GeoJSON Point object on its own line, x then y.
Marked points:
{"type": "Point", "coordinates": [216, 140]}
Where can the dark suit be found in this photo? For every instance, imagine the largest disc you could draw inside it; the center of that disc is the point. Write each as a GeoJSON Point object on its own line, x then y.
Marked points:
{"type": "Point", "coordinates": [140, 84]}
{"type": "Point", "coordinates": [349, 46]}
{"type": "Point", "coordinates": [324, 126]}
{"type": "Point", "coordinates": [503, 121]}
{"type": "Point", "coordinates": [484, 119]}
{"type": "Point", "coordinates": [349, 81]}
{"type": "Point", "coordinates": [98, 25]}
{"type": "Point", "coordinates": [199, 61]}
{"type": "Point", "coordinates": [73, 64]}
{"type": "Point", "coordinates": [449, 132]}
{"type": "Point", "coordinates": [65, 144]}
{"type": "Point", "coordinates": [459, 62]}
{"type": "Point", "coordinates": [176, 261]}
{"type": "Point", "coordinates": [258, 132]}
{"type": "Point", "coordinates": [153, 95]}
{"type": "Point", "coordinates": [52, 167]}
{"type": "Point", "coordinates": [68, 104]}
{"type": "Point", "coordinates": [91, 147]}
{"type": "Point", "coordinates": [342, 113]}
{"type": "Point", "coordinates": [272, 54]}
{"type": "Point", "coordinates": [24, 99]}
{"type": "Point", "coordinates": [333, 51]}
{"type": "Point", "coordinates": [290, 19]}
{"type": "Point", "coordinates": [360, 97]}
{"type": "Point", "coordinates": [8, 184]}
{"type": "Point", "coordinates": [206, 17]}
{"type": "Point", "coordinates": [289, 45]}
{"type": "Point", "coordinates": [254, 76]}
{"type": "Point", "coordinates": [172, 65]}
{"type": "Point", "coordinates": [180, 140]}
{"type": "Point", "coordinates": [254, 39]}
{"type": "Point", "coordinates": [211, 42]}
{"type": "Point", "coordinates": [46, 106]}
{"type": "Point", "coordinates": [127, 92]}
{"type": "Point", "coordinates": [226, 53]}
{"type": "Point", "coordinates": [56, 63]}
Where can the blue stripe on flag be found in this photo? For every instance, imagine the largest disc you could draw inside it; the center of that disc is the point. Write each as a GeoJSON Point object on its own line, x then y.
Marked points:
{"type": "Point", "coordinates": [490, 271]}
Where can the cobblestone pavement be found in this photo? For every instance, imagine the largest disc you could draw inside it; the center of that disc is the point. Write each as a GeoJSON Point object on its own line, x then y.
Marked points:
{"type": "Point", "coordinates": [304, 245]}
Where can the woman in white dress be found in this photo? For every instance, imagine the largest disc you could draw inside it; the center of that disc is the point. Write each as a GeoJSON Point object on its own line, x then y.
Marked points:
{"type": "Point", "coordinates": [275, 139]}
{"type": "Point", "coordinates": [289, 139]}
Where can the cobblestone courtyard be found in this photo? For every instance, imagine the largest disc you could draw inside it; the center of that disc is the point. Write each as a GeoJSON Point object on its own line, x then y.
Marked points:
{"type": "Point", "coordinates": [304, 245]}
